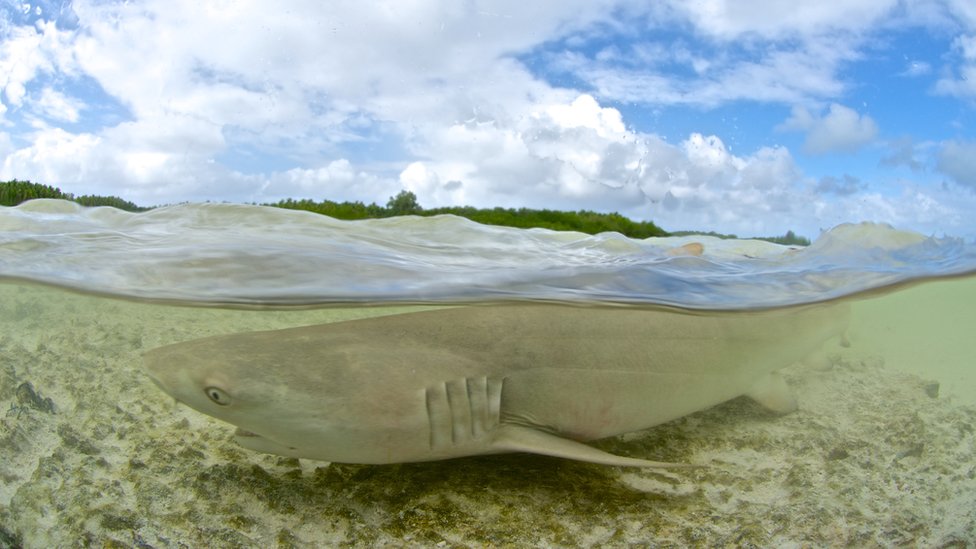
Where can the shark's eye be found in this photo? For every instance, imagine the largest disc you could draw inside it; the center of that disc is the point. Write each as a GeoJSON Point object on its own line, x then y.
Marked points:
{"type": "Point", "coordinates": [218, 396]}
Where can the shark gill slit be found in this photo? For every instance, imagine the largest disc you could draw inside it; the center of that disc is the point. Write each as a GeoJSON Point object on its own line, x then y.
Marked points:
{"type": "Point", "coordinates": [458, 402]}
{"type": "Point", "coordinates": [438, 415]}
{"type": "Point", "coordinates": [462, 410]}
{"type": "Point", "coordinates": [477, 393]}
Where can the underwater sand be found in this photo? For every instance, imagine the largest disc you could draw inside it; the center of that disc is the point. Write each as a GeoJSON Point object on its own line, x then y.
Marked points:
{"type": "Point", "coordinates": [92, 453]}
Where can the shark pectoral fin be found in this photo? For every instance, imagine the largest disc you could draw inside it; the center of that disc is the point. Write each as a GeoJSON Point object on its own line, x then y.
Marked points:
{"type": "Point", "coordinates": [772, 392]}
{"type": "Point", "coordinates": [515, 438]}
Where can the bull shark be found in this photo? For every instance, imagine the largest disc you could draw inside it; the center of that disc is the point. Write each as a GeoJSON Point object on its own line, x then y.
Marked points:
{"type": "Point", "coordinates": [464, 381]}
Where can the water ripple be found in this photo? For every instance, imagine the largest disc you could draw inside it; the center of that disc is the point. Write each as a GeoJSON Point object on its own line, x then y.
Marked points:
{"type": "Point", "coordinates": [251, 255]}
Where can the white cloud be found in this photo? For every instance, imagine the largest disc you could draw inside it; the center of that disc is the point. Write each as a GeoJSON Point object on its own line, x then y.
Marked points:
{"type": "Point", "coordinates": [557, 154]}
{"type": "Point", "coordinates": [53, 154]}
{"type": "Point", "coordinates": [930, 210]}
{"type": "Point", "coordinates": [789, 72]}
{"type": "Point", "coordinates": [417, 177]}
{"type": "Point", "coordinates": [963, 83]}
{"type": "Point", "coordinates": [553, 159]}
{"type": "Point", "coordinates": [57, 106]}
{"type": "Point", "coordinates": [965, 10]}
{"type": "Point", "coordinates": [760, 51]}
{"type": "Point", "coordinates": [388, 59]}
{"type": "Point", "coordinates": [160, 161]}
{"type": "Point", "coordinates": [585, 112]}
{"type": "Point", "coordinates": [337, 180]}
{"type": "Point", "coordinates": [307, 80]}
{"type": "Point", "coordinates": [6, 147]}
{"type": "Point", "coordinates": [27, 52]}
{"type": "Point", "coordinates": [841, 129]}
{"type": "Point", "coordinates": [845, 185]}
{"type": "Point", "coordinates": [730, 19]}
{"type": "Point", "coordinates": [903, 151]}
{"type": "Point", "coordinates": [761, 193]}
{"type": "Point", "coordinates": [957, 159]}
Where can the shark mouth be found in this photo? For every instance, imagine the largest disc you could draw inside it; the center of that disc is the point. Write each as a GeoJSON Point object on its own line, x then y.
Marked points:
{"type": "Point", "coordinates": [260, 443]}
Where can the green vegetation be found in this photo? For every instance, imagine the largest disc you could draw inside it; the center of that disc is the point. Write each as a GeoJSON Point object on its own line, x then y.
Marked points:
{"type": "Point", "coordinates": [113, 201]}
{"type": "Point", "coordinates": [583, 221]}
{"type": "Point", "coordinates": [405, 203]}
{"type": "Point", "coordinates": [338, 210]}
{"type": "Point", "coordinates": [14, 192]}
{"type": "Point", "coordinates": [789, 239]}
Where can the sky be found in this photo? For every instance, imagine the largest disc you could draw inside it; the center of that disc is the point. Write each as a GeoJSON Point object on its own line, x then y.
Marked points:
{"type": "Point", "coordinates": [750, 117]}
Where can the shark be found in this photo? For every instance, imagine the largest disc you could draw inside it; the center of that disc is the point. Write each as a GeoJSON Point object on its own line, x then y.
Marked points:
{"type": "Point", "coordinates": [487, 379]}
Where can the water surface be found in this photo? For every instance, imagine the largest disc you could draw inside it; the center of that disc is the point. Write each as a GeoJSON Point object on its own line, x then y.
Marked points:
{"type": "Point", "coordinates": [238, 254]}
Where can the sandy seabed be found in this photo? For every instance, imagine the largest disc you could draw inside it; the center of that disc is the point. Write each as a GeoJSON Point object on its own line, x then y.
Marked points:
{"type": "Point", "coordinates": [93, 454]}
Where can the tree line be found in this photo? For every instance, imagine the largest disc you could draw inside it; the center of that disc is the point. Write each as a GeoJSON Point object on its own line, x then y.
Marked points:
{"type": "Point", "coordinates": [405, 203]}
{"type": "Point", "coordinates": [789, 239]}
{"type": "Point", "coordinates": [14, 192]}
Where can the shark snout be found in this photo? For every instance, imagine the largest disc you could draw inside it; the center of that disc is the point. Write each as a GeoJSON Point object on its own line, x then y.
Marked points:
{"type": "Point", "coordinates": [152, 371]}
{"type": "Point", "coordinates": [156, 381]}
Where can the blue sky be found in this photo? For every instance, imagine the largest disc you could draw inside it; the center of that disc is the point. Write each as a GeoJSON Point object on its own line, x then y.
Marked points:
{"type": "Point", "coordinates": [749, 117]}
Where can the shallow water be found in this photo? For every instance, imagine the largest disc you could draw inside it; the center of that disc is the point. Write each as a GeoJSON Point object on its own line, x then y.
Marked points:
{"type": "Point", "coordinates": [881, 451]}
